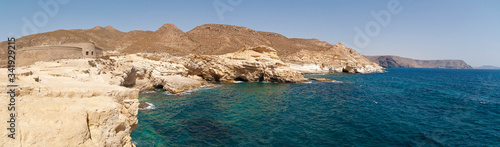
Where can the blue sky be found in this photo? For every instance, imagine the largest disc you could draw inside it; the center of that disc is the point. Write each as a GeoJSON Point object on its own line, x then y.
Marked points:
{"type": "Point", "coordinates": [423, 29]}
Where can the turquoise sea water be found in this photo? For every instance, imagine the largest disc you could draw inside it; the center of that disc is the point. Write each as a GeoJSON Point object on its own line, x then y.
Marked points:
{"type": "Point", "coordinates": [403, 107]}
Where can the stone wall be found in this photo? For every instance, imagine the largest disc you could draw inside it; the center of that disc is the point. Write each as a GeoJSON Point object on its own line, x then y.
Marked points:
{"type": "Point", "coordinates": [31, 55]}
{"type": "Point", "coordinates": [89, 50]}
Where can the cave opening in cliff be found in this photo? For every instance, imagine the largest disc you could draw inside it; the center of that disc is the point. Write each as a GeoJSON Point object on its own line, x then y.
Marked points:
{"type": "Point", "coordinates": [261, 77]}
{"type": "Point", "coordinates": [158, 86]}
{"type": "Point", "coordinates": [240, 79]}
{"type": "Point", "coordinates": [216, 78]}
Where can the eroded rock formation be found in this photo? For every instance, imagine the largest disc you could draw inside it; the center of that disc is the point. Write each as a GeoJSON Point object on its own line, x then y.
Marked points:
{"type": "Point", "coordinates": [64, 103]}
{"type": "Point", "coordinates": [93, 102]}
{"type": "Point", "coordinates": [252, 64]}
{"type": "Point", "coordinates": [337, 59]}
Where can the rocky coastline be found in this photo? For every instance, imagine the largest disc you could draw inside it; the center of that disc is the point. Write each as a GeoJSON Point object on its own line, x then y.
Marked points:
{"type": "Point", "coordinates": [94, 101]}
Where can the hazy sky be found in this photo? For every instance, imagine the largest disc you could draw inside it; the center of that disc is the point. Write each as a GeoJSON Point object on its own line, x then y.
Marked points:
{"type": "Point", "coordinates": [421, 29]}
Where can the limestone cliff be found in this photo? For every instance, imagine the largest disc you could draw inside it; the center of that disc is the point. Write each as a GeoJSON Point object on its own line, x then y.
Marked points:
{"type": "Point", "coordinates": [86, 102]}
{"type": "Point", "coordinates": [252, 64]}
{"type": "Point", "coordinates": [64, 103]}
{"type": "Point", "coordinates": [93, 102]}
{"type": "Point", "coordinates": [145, 71]}
{"type": "Point", "coordinates": [339, 58]}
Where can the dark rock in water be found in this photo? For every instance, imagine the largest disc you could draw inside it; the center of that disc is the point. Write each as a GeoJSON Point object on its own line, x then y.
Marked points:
{"type": "Point", "coordinates": [322, 79]}
{"type": "Point", "coordinates": [206, 129]}
{"type": "Point", "coordinates": [429, 139]}
{"type": "Point", "coordinates": [143, 105]}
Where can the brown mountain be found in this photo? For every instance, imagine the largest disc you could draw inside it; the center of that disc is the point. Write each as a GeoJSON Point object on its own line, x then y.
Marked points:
{"type": "Point", "coordinates": [209, 39]}
{"type": "Point", "coordinates": [167, 38]}
{"type": "Point", "coordinates": [204, 39]}
{"type": "Point", "coordinates": [220, 39]}
{"type": "Point", "coordinates": [401, 62]}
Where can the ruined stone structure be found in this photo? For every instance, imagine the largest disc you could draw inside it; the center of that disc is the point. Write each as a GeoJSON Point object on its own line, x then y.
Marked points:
{"type": "Point", "coordinates": [89, 50]}
{"type": "Point", "coordinates": [30, 55]}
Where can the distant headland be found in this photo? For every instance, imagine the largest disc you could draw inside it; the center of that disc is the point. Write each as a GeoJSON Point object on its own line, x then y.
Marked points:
{"type": "Point", "coordinates": [401, 62]}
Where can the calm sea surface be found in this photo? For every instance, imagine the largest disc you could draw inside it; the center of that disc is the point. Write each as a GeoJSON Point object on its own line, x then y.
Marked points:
{"type": "Point", "coordinates": [402, 107]}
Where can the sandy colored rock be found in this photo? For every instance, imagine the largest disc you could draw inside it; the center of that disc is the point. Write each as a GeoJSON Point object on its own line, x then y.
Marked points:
{"type": "Point", "coordinates": [69, 106]}
{"type": "Point", "coordinates": [251, 64]}
{"type": "Point", "coordinates": [338, 58]}
{"type": "Point", "coordinates": [145, 71]}
{"type": "Point", "coordinates": [176, 84]}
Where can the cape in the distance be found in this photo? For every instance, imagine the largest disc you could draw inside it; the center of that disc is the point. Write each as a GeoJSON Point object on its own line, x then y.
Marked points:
{"type": "Point", "coordinates": [402, 62]}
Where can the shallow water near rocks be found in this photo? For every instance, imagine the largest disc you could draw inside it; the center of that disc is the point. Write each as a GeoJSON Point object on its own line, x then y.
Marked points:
{"type": "Point", "coordinates": [403, 107]}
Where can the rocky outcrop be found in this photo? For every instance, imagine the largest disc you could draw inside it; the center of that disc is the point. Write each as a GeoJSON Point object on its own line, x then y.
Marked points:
{"type": "Point", "coordinates": [93, 102]}
{"type": "Point", "coordinates": [88, 102]}
{"type": "Point", "coordinates": [251, 64]}
{"type": "Point", "coordinates": [177, 84]}
{"type": "Point", "coordinates": [64, 103]}
{"type": "Point", "coordinates": [401, 62]}
{"type": "Point", "coordinates": [146, 71]}
{"type": "Point", "coordinates": [337, 59]}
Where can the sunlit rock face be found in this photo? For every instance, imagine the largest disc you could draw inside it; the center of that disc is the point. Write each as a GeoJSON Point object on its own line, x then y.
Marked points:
{"type": "Point", "coordinates": [251, 64]}
{"type": "Point", "coordinates": [338, 58]}
{"type": "Point", "coordinates": [66, 103]}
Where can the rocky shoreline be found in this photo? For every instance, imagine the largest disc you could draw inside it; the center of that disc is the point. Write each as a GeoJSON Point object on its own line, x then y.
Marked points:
{"type": "Point", "coordinates": [94, 102]}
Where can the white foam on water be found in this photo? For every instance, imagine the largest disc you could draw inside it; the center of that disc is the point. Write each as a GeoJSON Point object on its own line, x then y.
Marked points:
{"type": "Point", "coordinates": [187, 92]}
{"type": "Point", "coordinates": [150, 107]}
{"type": "Point", "coordinates": [148, 92]}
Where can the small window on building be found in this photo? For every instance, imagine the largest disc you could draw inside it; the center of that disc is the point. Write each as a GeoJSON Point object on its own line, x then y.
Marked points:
{"type": "Point", "coordinates": [91, 53]}
{"type": "Point", "coordinates": [87, 52]}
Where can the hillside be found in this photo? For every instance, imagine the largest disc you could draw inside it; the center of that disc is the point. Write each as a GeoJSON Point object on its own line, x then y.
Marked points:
{"type": "Point", "coordinates": [213, 39]}
{"type": "Point", "coordinates": [210, 39]}
{"type": "Point", "coordinates": [401, 62]}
